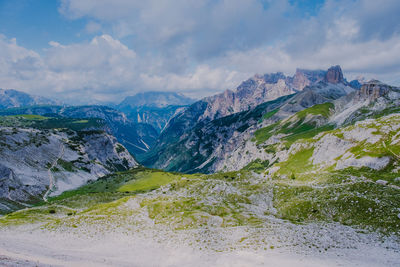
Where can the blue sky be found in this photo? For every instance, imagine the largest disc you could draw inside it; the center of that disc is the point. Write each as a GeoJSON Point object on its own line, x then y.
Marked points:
{"type": "Point", "coordinates": [99, 50]}
{"type": "Point", "coordinates": [35, 23]}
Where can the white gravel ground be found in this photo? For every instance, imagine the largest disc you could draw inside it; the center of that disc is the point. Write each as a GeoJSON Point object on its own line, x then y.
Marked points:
{"type": "Point", "coordinates": [212, 247]}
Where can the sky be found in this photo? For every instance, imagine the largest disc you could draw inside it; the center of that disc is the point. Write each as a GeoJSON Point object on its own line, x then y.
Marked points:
{"type": "Point", "coordinates": [99, 51]}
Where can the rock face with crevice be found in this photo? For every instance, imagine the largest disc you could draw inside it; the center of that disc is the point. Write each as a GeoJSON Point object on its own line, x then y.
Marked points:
{"type": "Point", "coordinates": [373, 90]}
{"type": "Point", "coordinates": [303, 78]}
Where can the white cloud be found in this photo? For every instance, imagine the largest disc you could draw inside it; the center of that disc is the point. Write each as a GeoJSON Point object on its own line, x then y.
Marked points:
{"type": "Point", "coordinates": [93, 27]}
{"type": "Point", "coordinates": [101, 69]}
{"type": "Point", "coordinates": [68, 70]}
{"type": "Point", "coordinates": [210, 27]}
{"type": "Point", "coordinates": [198, 83]}
{"type": "Point", "coordinates": [201, 47]}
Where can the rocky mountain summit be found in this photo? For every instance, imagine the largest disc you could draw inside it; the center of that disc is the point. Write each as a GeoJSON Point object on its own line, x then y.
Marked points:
{"type": "Point", "coordinates": [374, 89]}
{"type": "Point", "coordinates": [263, 88]}
{"type": "Point", "coordinates": [334, 75]}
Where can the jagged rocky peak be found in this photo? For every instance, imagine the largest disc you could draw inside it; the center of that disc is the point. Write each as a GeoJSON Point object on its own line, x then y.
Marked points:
{"type": "Point", "coordinates": [334, 75]}
{"type": "Point", "coordinates": [270, 77]}
{"type": "Point", "coordinates": [303, 78]}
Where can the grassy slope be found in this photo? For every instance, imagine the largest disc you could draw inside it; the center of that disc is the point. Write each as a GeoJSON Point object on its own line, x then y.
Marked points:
{"type": "Point", "coordinates": [147, 181]}
{"type": "Point", "coordinates": [295, 127]}
{"type": "Point", "coordinates": [350, 196]}
{"type": "Point", "coordinates": [192, 201]}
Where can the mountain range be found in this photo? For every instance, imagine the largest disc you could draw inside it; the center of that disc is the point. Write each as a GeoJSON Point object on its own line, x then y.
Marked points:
{"type": "Point", "coordinates": [191, 139]}
{"type": "Point", "coordinates": [154, 108]}
{"type": "Point", "coordinates": [12, 98]}
{"type": "Point", "coordinates": [308, 163]}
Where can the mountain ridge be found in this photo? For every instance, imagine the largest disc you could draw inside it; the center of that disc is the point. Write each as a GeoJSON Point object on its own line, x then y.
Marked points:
{"type": "Point", "coordinates": [328, 85]}
{"type": "Point", "coordinates": [10, 98]}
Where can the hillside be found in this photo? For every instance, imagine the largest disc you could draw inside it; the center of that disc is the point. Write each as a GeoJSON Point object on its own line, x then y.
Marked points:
{"type": "Point", "coordinates": [136, 137]}
{"type": "Point", "coordinates": [306, 217]}
{"type": "Point", "coordinates": [41, 157]}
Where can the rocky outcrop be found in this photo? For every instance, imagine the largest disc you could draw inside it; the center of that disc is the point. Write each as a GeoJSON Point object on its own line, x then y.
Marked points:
{"type": "Point", "coordinates": [373, 90]}
{"type": "Point", "coordinates": [303, 78]}
{"type": "Point", "coordinates": [334, 75]}
{"type": "Point", "coordinates": [373, 97]}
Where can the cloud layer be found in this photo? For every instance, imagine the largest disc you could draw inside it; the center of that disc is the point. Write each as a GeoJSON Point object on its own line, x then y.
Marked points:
{"type": "Point", "coordinates": [202, 47]}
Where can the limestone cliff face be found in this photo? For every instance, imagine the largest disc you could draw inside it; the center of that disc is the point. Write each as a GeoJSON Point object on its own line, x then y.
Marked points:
{"type": "Point", "coordinates": [33, 162]}
{"type": "Point", "coordinates": [373, 90]}
{"type": "Point", "coordinates": [303, 78]}
{"type": "Point", "coordinates": [334, 75]}
{"type": "Point", "coordinates": [262, 88]}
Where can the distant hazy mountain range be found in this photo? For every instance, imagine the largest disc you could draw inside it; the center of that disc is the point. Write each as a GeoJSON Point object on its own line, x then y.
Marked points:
{"type": "Point", "coordinates": [155, 108]}
{"type": "Point", "coordinates": [13, 98]}
{"type": "Point", "coordinates": [155, 99]}
{"type": "Point", "coordinates": [136, 124]}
